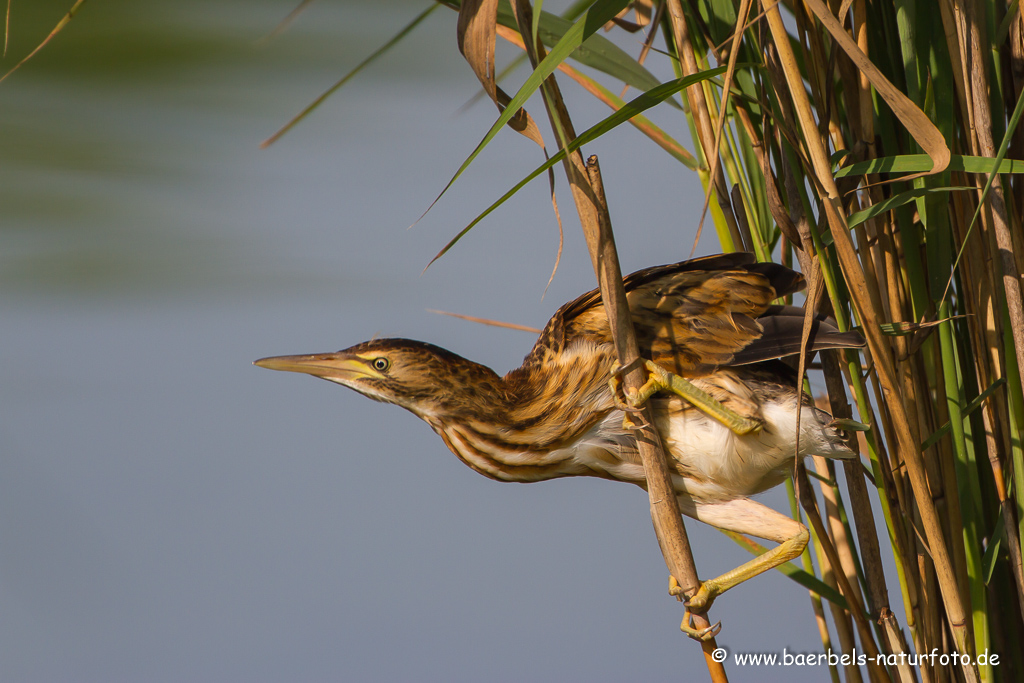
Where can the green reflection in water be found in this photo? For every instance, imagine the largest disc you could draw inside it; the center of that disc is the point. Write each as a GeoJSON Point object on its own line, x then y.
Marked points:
{"type": "Point", "coordinates": [128, 145]}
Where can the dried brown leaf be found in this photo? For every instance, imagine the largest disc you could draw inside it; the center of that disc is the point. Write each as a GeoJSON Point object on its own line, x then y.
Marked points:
{"type": "Point", "coordinates": [476, 32]}
{"type": "Point", "coordinates": [916, 122]}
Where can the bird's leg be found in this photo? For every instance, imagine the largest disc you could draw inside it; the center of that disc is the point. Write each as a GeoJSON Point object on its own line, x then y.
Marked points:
{"type": "Point", "coordinates": [712, 588]}
{"type": "Point", "coordinates": [744, 516]}
{"type": "Point", "coordinates": [660, 379]}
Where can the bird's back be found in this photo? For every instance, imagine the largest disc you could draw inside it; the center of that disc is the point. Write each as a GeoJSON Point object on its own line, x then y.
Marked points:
{"type": "Point", "coordinates": [695, 316]}
{"type": "Point", "coordinates": [712, 321]}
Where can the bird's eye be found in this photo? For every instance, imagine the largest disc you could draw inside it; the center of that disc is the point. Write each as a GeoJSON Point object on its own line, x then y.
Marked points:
{"type": "Point", "coordinates": [381, 364]}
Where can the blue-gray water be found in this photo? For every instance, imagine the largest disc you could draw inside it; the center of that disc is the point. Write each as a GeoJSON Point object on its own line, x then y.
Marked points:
{"type": "Point", "coordinates": [169, 512]}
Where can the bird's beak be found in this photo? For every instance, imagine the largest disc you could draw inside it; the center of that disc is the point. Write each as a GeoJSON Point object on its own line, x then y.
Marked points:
{"type": "Point", "coordinates": [337, 367]}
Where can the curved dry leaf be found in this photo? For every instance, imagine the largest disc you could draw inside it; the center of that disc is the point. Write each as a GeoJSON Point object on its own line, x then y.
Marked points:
{"type": "Point", "coordinates": [916, 122]}
{"type": "Point", "coordinates": [476, 37]}
{"type": "Point", "coordinates": [475, 34]}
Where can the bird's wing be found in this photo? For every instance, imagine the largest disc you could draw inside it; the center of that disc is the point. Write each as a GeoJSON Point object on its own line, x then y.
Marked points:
{"type": "Point", "coordinates": [688, 316]}
{"type": "Point", "coordinates": [783, 331]}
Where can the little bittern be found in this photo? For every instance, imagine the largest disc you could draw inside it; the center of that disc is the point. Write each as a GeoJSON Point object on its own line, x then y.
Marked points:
{"type": "Point", "coordinates": [723, 401]}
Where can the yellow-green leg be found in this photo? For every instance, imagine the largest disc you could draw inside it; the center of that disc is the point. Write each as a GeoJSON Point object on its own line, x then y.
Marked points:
{"type": "Point", "coordinates": [745, 516]}
{"type": "Point", "coordinates": [660, 379]}
{"type": "Point", "coordinates": [712, 588]}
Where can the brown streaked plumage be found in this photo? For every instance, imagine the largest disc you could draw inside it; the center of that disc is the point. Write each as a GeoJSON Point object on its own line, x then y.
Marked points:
{"type": "Point", "coordinates": [709, 320]}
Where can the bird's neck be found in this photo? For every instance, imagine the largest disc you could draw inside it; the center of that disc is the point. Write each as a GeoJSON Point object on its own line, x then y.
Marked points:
{"type": "Point", "coordinates": [557, 400]}
{"type": "Point", "coordinates": [535, 414]}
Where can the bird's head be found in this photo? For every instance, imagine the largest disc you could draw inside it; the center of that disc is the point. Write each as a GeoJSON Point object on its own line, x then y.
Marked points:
{"type": "Point", "coordinates": [421, 377]}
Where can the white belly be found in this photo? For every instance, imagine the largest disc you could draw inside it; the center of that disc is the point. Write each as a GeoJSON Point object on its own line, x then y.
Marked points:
{"type": "Point", "coordinates": [724, 466]}
{"type": "Point", "coordinates": [730, 466]}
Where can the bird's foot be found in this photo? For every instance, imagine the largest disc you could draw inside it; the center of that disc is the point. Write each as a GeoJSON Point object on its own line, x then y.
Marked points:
{"type": "Point", "coordinates": [698, 604]}
{"type": "Point", "coordinates": [701, 601]}
{"type": "Point", "coordinates": [661, 380]}
{"type": "Point", "coordinates": [658, 379]}
{"type": "Point", "coordinates": [701, 634]}
{"type": "Point", "coordinates": [628, 403]}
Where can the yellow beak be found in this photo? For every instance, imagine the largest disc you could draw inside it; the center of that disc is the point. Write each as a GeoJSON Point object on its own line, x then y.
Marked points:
{"type": "Point", "coordinates": [337, 367]}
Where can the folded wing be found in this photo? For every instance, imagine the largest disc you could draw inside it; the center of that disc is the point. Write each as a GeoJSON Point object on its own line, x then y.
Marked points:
{"type": "Point", "coordinates": [698, 315]}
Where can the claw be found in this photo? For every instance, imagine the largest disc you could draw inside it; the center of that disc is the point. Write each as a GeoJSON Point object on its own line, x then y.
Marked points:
{"type": "Point", "coordinates": [627, 403]}
{"type": "Point", "coordinates": [701, 634]}
{"type": "Point", "coordinates": [623, 401]}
